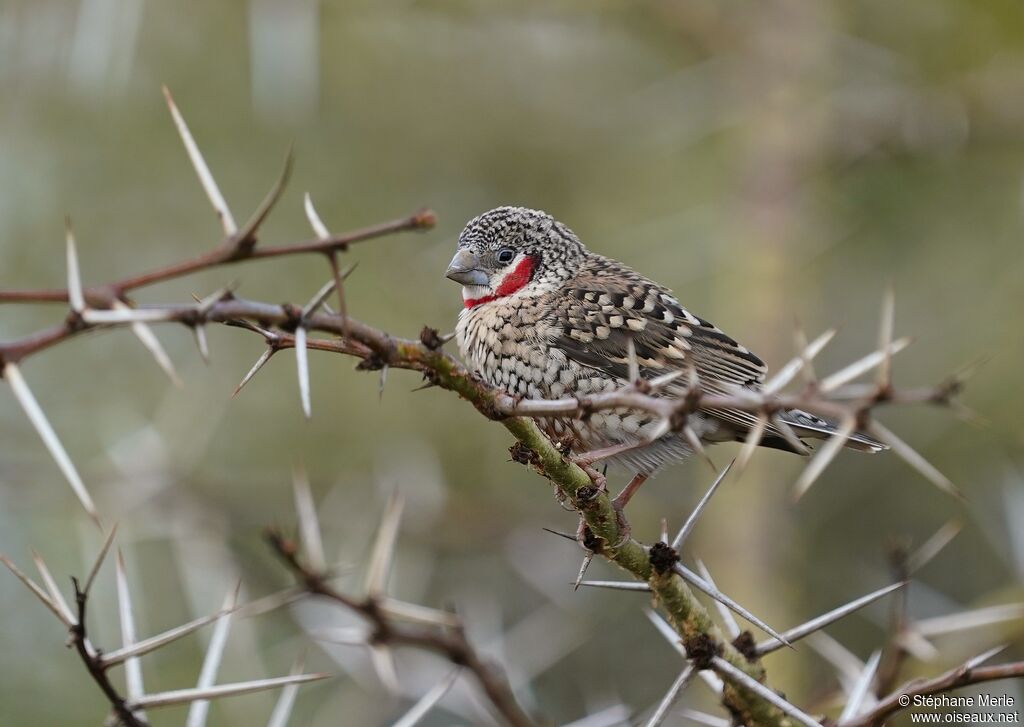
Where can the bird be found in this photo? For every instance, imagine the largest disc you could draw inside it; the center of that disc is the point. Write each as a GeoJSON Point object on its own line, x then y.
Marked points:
{"type": "Point", "coordinates": [543, 317]}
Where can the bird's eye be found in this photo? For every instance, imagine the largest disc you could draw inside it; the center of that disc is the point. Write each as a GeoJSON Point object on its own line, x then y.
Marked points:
{"type": "Point", "coordinates": [505, 256]}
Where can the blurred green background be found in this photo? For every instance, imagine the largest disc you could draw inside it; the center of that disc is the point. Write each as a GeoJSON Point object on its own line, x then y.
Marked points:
{"type": "Point", "coordinates": [766, 160]}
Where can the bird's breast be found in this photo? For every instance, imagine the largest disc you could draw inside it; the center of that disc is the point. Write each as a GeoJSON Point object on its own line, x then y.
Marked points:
{"type": "Point", "coordinates": [501, 341]}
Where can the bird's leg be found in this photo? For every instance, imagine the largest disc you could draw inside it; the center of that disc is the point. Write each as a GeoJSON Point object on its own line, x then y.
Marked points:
{"type": "Point", "coordinates": [596, 455]}
{"type": "Point", "coordinates": [620, 502]}
{"type": "Point", "coordinates": [623, 498]}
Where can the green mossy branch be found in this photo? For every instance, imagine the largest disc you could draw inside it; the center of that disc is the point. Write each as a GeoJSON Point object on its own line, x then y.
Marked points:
{"type": "Point", "coordinates": [687, 615]}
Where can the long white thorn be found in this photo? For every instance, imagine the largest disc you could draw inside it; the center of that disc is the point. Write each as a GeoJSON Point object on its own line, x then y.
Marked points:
{"type": "Point", "coordinates": [975, 661]}
{"type": "Point", "coordinates": [744, 680]}
{"type": "Point", "coordinates": [132, 667]}
{"type": "Point", "coordinates": [705, 718]}
{"type": "Point", "coordinates": [916, 645]}
{"type": "Point", "coordinates": [384, 664]}
{"type": "Point", "coordinates": [588, 558]}
{"type": "Point", "coordinates": [302, 363]}
{"type": "Point", "coordinates": [691, 521]}
{"type": "Point", "coordinates": [427, 702]}
{"type": "Point", "coordinates": [977, 618]}
{"type": "Point", "coordinates": [800, 337]}
{"type": "Point", "coordinates": [632, 362]}
{"type": "Point", "coordinates": [789, 435]}
{"type": "Point", "coordinates": [344, 635]}
{"type": "Point", "coordinates": [885, 331]}
{"type": "Point", "coordinates": [660, 382]}
{"type": "Point", "coordinates": [318, 300]}
{"type": "Point", "coordinates": [753, 439]}
{"type": "Point", "coordinates": [205, 304]}
{"type": "Point", "coordinates": [246, 237]}
{"type": "Point", "coordinates": [617, 585]}
{"type": "Point", "coordinates": [666, 630]}
{"type": "Point", "coordinates": [309, 524]}
{"type": "Point", "coordinates": [731, 627]}
{"type": "Point", "coordinates": [148, 339]}
{"type": "Point", "coordinates": [383, 554]}
{"type": "Point", "coordinates": [846, 664]}
{"type": "Point", "coordinates": [382, 381]}
{"type": "Point", "coordinates": [614, 715]}
{"type": "Point", "coordinates": [264, 357]}
{"type": "Point", "coordinates": [698, 446]}
{"type": "Point", "coordinates": [861, 689]}
{"type": "Point", "coordinates": [153, 643]}
{"type": "Point", "coordinates": [672, 696]}
{"type": "Point", "coordinates": [206, 179]}
{"type": "Point", "coordinates": [51, 587]}
{"type": "Point", "coordinates": [819, 622]}
{"type": "Point", "coordinates": [199, 331]}
{"type": "Point", "coordinates": [35, 414]}
{"type": "Point", "coordinates": [794, 366]}
{"type": "Point", "coordinates": [861, 366]}
{"type": "Point", "coordinates": [416, 613]}
{"type": "Point", "coordinates": [199, 710]}
{"type": "Point", "coordinates": [933, 546]}
{"type": "Point", "coordinates": [915, 460]}
{"type": "Point", "coordinates": [695, 580]}
{"type": "Point", "coordinates": [186, 696]}
{"type": "Point", "coordinates": [286, 700]}
{"type": "Point", "coordinates": [319, 228]}
{"type": "Point", "coordinates": [121, 314]}
{"type": "Point", "coordinates": [35, 589]}
{"type": "Point", "coordinates": [75, 295]}
{"type": "Point", "coordinates": [272, 602]}
{"type": "Point", "coordinates": [824, 456]}
{"type": "Point", "coordinates": [321, 231]}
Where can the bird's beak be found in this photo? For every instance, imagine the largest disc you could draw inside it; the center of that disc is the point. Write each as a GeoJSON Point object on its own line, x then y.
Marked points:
{"type": "Point", "coordinates": [465, 268]}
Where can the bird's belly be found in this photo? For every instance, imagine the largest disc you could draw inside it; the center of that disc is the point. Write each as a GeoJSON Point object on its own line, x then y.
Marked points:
{"type": "Point", "coordinates": [524, 366]}
{"type": "Point", "coordinates": [547, 375]}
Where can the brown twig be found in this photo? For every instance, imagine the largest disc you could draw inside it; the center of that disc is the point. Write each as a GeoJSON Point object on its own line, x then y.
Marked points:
{"type": "Point", "coordinates": [95, 666]}
{"type": "Point", "coordinates": [451, 643]}
{"type": "Point", "coordinates": [102, 307]}
{"type": "Point", "coordinates": [894, 653]}
{"type": "Point", "coordinates": [961, 676]}
{"type": "Point", "coordinates": [377, 349]}
{"type": "Point", "coordinates": [102, 296]}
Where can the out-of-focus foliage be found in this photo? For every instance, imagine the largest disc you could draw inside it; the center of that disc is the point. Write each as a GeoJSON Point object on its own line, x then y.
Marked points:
{"type": "Point", "coordinates": [766, 160]}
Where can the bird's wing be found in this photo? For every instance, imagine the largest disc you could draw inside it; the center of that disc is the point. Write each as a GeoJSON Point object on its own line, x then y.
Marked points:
{"type": "Point", "coordinates": [608, 305]}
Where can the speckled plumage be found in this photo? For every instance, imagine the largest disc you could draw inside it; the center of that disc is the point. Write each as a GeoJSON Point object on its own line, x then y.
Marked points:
{"type": "Point", "coordinates": [555, 320]}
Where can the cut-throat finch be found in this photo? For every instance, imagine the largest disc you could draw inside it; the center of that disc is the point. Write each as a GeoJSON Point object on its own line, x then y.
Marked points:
{"type": "Point", "coordinates": [546, 318]}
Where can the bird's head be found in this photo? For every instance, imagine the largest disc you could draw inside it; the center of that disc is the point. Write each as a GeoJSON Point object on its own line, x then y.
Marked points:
{"type": "Point", "coordinates": [513, 250]}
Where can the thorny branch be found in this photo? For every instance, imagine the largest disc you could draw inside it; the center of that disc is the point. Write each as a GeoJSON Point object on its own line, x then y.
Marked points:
{"type": "Point", "coordinates": [451, 642]}
{"type": "Point", "coordinates": [604, 530]}
{"type": "Point", "coordinates": [94, 663]}
{"type": "Point", "coordinates": [104, 297]}
{"type": "Point", "coordinates": [130, 709]}
{"type": "Point", "coordinates": [959, 677]}
{"type": "Point", "coordinates": [894, 654]}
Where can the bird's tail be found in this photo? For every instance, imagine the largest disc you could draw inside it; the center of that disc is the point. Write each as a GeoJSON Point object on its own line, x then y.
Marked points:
{"type": "Point", "coordinates": [813, 427]}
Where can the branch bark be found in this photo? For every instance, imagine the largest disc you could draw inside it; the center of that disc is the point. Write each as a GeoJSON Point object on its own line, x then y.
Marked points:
{"type": "Point", "coordinates": [450, 643]}
{"type": "Point", "coordinates": [95, 666]}
{"type": "Point", "coordinates": [606, 529]}
{"type": "Point", "coordinates": [952, 679]}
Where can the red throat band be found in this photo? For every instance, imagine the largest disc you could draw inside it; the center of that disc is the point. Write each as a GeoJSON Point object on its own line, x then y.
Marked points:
{"type": "Point", "coordinates": [514, 281]}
